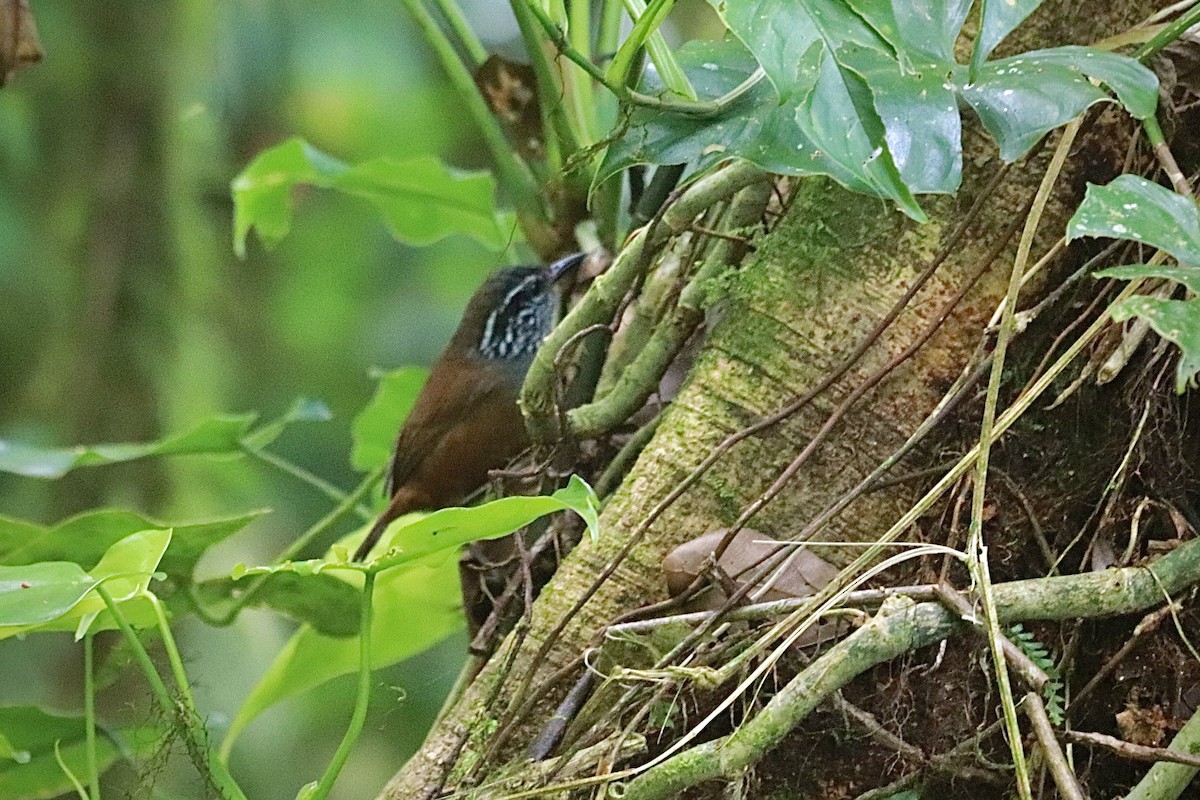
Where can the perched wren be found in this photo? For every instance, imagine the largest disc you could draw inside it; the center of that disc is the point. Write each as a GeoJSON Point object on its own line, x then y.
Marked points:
{"type": "Point", "coordinates": [465, 421]}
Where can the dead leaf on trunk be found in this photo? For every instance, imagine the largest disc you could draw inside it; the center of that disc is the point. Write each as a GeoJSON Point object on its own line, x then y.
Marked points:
{"type": "Point", "coordinates": [510, 91]}
{"type": "Point", "coordinates": [19, 43]}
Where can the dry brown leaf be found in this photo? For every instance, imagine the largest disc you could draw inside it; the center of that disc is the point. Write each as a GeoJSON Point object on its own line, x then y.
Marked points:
{"type": "Point", "coordinates": [19, 43]}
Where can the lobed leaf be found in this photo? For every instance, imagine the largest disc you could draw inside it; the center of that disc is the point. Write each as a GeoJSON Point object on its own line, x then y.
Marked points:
{"type": "Point", "coordinates": [1133, 208]}
{"type": "Point", "coordinates": [1175, 320]}
{"type": "Point", "coordinates": [421, 199]}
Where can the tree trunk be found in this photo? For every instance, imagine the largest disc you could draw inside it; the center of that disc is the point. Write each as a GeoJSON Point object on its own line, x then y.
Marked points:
{"type": "Point", "coordinates": [812, 291]}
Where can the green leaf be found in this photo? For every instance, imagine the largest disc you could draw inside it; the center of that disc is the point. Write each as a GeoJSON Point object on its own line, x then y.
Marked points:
{"type": "Point", "coordinates": [925, 31]}
{"type": "Point", "coordinates": [919, 111]}
{"type": "Point", "coordinates": [416, 606]}
{"type": "Point", "coordinates": [1021, 99]}
{"type": "Point", "coordinates": [1175, 320]}
{"type": "Point", "coordinates": [374, 429]}
{"type": "Point", "coordinates": [37, 593]}
{"type": "Point", "coordinates": [999, 19]}
{"type": "Point", "coordinates": [420, 199]}
{"type": "Point", "coordinates": [34, 733]}
{"type": "Point", "coordinates": [405, 541]}
{"type": "Point", "coordinates": [417, 600]}
{"type": "Point", "coordinates": [1188, 276]}
{"type": "Point", "coordinates": [57, 595]}
{"type": "Point", "coordinates": [756, 127]}
{"type": "Point", "coordinates": [85, 538]}
{"type": "Point", "coordinates": [1134, 208]}
{"type": "Point", "coordinates": [220, 435]}
{"type": "Point", "coordinates": [799, 43]}
{"type": "Point", "coordinates": [328, 604]}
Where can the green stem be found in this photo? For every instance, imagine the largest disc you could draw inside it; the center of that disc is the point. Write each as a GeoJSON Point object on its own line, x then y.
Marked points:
{"type": "Point", "coordinates": [349, 503]}
{"type": "Point", "coordinates": [462, 29]}
{"type": "Point", "coordinates": [177, 670]}
{"type": "Point", "coordinates": [561, 139]}
{"type": "Point", "coordinates": [1168, 34]}
{"type": "Point", "coordinates": [301, 474]}
{"type": "Point", "coordinates": [640, 378]}
{"type": "Point", "coordinates": [692, 108]}
{"type": "Point", "coordinates": [1166, 159]}
{"type": "Point", "coordinates": [190, 724]}
{"type": "Point", "coordinates": [514, 174]}
{"type": "Point", "coordinates": [362, 696]}
{"type": "Point", "coordinates": [584, 95]}
{"type": "Point", "coordinates": [89, 715]}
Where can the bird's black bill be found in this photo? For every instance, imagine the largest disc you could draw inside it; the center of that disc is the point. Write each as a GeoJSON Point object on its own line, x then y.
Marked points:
{"type": "Point", "coordinates": [565, 265]}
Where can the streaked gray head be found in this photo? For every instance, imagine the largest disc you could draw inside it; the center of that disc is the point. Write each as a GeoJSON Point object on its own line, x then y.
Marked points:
{"type": "Point", "coordinates": [515, 310]}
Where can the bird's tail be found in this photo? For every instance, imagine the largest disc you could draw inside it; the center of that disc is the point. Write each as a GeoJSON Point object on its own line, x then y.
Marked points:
{"type": "Point", "coordinates": [372, 539]}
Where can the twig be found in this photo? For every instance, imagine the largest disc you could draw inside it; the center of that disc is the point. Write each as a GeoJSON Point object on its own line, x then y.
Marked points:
{"type": "Point", "coordinates": [1060, 770]}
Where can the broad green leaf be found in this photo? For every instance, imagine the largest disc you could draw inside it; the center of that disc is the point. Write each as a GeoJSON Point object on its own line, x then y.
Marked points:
{"type": "Point", "coordinates": [756, 127]}
{"type": "Point", "coordinates": [220, 435]}
{"type": "Point", "coordinates": [780, 32]}
{"type": "Point", "coordinates": [37, 593]}
{"type": "Point", "coordinates": [925, 31]}
{"type": "Point", "coordinates": [1134, 208]}
{"type": "Point", "coordinates": [1188, 276]}
{"type": "Point", "coordinates": [329, 605]}
{"type": "Point", "coordinates": [919, 111]}
{"type": "Point", "coordinates": [1021, 99]}
{"type": "Point", "coordinates": [1000, 18]}
{"type": "Point", "coordinates": [57, 595]}
{"type": "Point", "coordinates": [416, 606]}
{"type": "Point", "coordinates": [421, 199]}
{"type": "Point", "coordinates": [85, 538]}
{"type": "Point", "coordinates": [453, 527]}
{"type": "Point", "coordinates": [374, 429]}
{"type": "Point", "coordinates": [797, 42]}
{"type": "Point", "coordinates": [34, 732]}
{"type": "Point", "coordinates": [1175, 320]}
{"type": "Point", "coordinates": [125, 570]}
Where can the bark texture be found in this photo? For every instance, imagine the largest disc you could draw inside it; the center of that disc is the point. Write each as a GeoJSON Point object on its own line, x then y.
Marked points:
{"type": "Point", "coordinates": [810, 293]}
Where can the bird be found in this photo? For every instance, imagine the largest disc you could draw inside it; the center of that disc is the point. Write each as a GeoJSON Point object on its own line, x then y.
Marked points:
{"type": "Point", "coordinates": [466, 421]}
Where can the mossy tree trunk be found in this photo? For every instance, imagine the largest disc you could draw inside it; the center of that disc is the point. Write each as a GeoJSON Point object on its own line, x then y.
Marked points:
{"type": "Point", "coordinates": [813, 289]}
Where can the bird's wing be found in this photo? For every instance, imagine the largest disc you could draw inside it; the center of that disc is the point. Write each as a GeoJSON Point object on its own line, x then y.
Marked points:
{"type": "Point", "coordinates": [461, 386]}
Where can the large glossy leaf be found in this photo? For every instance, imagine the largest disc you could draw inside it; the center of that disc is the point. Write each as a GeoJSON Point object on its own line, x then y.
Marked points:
{"type": "Point", "coordinates": [1134, 208]}
{"type": "Point", "coordinates": [757, 127]}
{"type": "Point", "coordinates": [999, 19]}
{"type": "Point", "coordinates": [374, 429]}
{"type": "Point", "coordinates": [1021, 99]}
{"type": "Point", "coordinates": [33, 734]}
{"type": "Point", "coordinates": [220, 435]}
{"type": "Point", "coordinates": [37, 593]}
{"type": "Point", "coordinates": [84, 539]}
{"type": "Point", "coordinates": [797, 43]}
{"type": "Point", "coordinates": [421, 199]}
{"type": "Point", "coordinates": [924, 31]}
{"type": "Point", "coordinates": [416, 606]}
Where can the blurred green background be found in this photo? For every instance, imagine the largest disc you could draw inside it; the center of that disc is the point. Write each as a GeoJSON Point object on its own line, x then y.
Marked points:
{"type": "Point", "coordinates": [126, 315]}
